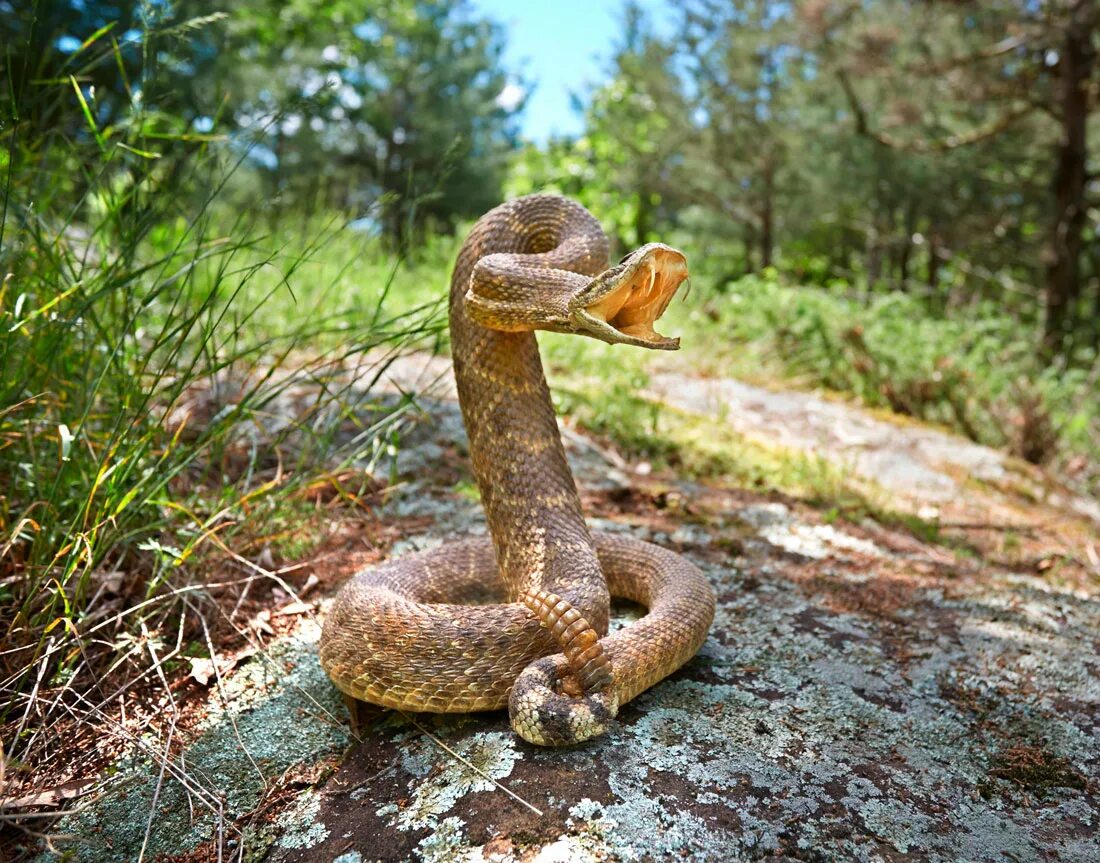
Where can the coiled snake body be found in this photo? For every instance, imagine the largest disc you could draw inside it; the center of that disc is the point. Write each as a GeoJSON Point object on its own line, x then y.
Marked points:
{"type": "Point", "coordinates": [522, 620]}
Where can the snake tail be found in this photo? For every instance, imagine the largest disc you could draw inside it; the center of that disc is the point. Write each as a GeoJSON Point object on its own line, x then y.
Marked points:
{"type": "Point", "coordinates": [543, 714]}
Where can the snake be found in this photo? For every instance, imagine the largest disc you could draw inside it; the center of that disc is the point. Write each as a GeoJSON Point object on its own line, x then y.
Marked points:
{"type": "Point", "coordinates": [520, 618]}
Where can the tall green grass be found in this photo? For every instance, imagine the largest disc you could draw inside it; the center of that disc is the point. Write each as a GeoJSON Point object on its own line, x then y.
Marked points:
{"type": "Point", "coordinates": [173, 374]}
{"type": "Point", "coordinates": [107, 370]}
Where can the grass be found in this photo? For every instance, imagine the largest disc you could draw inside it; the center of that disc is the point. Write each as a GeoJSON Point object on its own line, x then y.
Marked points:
{"type": "Point", "coordinates": [162, 418]}
{"type": "Point", "coordinates": [336, 284]}
{"type": "Point", "coordinates": [130, 391]}
{"type": "Point", "coordinates": [176, 381]}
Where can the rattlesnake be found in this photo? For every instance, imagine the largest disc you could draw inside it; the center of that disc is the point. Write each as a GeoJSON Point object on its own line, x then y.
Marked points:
{"type": "Point", "coordinates": [474, 625]}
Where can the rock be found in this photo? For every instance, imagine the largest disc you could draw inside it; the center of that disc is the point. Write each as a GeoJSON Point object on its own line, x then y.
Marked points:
{"type": "Point", "coordinates": [914, 461]}
{"type": "Point", "coordinates": [818, 541]}
{"type": "Point", "coordinates": [852, 703]}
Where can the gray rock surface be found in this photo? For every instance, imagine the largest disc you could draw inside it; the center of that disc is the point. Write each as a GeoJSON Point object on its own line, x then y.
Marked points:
{"type": "Point", "coordinates": [910, 460]}
{"type": "Point", "coordinates": [861, 697]}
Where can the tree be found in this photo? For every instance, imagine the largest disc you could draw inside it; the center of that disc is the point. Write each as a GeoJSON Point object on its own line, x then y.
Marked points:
{"type": "Point", "coordinates": [942, 77]}
{"type": "Point", "coordinates": [625, 165]}
{"type": "Point", "coordinates": [391, 110]}
{"type": "Point", "coordinates": [354, 104]}
{"type": "Point", "coordinates": [744, 68]}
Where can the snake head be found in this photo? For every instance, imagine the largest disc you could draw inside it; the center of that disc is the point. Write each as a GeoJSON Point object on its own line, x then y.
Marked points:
{"type": "Point", "coordinates": [569, 697]}
{"type": "Point", "coordinates": [621, 304]}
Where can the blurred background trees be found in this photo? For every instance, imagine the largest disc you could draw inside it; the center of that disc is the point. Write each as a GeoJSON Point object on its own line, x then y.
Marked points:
{"type": "Point", "coordinates": [947, 151]}
{"type": "Point", "coordinates": [343, 106]}
{"type": "Point", "coordinates": [942, 149]}
{"type": "Point", "coordinates": [357, 106]}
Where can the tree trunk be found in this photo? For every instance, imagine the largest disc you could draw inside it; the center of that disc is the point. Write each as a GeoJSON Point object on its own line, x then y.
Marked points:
{"type": "Point", "coordinates": [643, 218]}
{"type": "Point", "coordinates": [1094, 322]}
{"type": "Point", "coordinates": [907, 246]}
{"type": "Point", "coordinates": [1063, 283]}
{"type": "Point", "coordinates": [934, 261]}
{"type": "Point", "coordinates": [767, 217]}
{"type": "Point", "coordinates": [873, 262]}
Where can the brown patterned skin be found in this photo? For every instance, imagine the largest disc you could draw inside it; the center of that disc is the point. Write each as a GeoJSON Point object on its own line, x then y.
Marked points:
{"type": "Point", "coordinates": [476, 624]}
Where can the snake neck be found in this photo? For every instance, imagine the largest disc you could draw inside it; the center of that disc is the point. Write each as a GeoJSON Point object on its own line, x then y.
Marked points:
{"type": "Point", "coordinates": [527, 489]}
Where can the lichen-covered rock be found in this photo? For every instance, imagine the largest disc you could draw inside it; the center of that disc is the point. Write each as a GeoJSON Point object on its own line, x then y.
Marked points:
{"type": "Point", "coordinates": [280, 712]}
{"type": "Point", "coordinates": [799, 733]}
{"type": "Point", "coordinates": [861, 697]}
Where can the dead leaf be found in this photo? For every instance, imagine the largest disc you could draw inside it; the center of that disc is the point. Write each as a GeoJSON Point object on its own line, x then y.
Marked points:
{"type": "Point", "coordinates": [203, 670]}
{"type": "Point", "coordinates": [1094, 558]}
{"type": "Point", "coordinates": [311, 583]}
{"type": "Point", "coordinates": [50, 796]}
{"type": "Point", "coordinates": [498, 848]}
{"type": "Point", "coordinates": [260, 623]}
{"type": "Point", "coordinates": [295, 608]}
{"type": "Point", "coordinates": [112, 581]}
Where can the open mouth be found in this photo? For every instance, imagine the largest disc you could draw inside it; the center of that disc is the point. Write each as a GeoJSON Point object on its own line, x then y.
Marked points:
{"type": "Point", "coordinates": [625, 307]}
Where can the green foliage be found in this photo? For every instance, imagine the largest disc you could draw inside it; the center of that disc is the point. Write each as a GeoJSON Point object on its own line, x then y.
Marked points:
{"type": "Point", "coordinates": [131, 385]}
{"type": "Point", "coordinates": [170, 376]}
{"type": "Point", "coordinates": [618, 168]}
{"type": "Point", "coordinates": [978, 373]}
{"type": "Point", "coordinates": [883, 145]}
{"type": "Point", "coordinates": [882, 154]}
{"type": "Point", "coordinates": [389, 110]}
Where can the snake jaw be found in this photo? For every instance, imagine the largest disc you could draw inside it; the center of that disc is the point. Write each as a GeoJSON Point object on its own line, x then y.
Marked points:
{"type": "Point", "coordinates": [621, 305]}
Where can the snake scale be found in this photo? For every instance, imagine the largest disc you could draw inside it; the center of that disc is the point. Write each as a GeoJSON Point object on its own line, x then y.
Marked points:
{"type": "Point", "coordinates": [522, 620]}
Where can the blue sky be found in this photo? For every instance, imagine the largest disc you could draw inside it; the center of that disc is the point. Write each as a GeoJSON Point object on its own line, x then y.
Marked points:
{"type": "Point", "coordinates": [560, 46]}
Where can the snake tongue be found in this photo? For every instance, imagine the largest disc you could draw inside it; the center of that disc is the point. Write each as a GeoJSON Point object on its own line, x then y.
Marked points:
{"type": "Point", "coordinates": [621, 305]}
